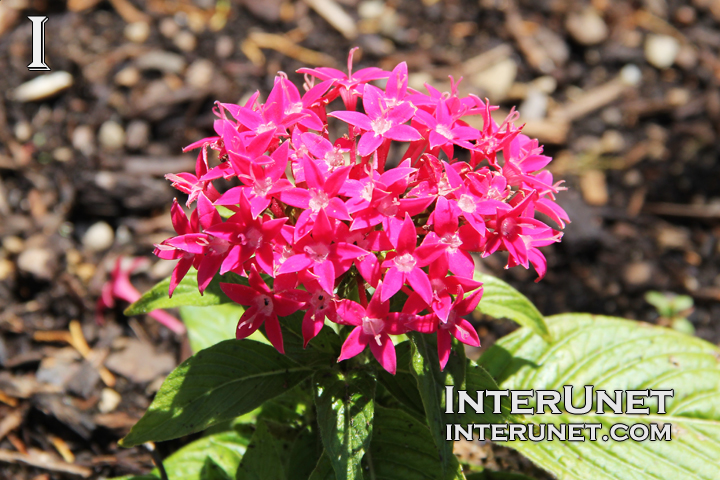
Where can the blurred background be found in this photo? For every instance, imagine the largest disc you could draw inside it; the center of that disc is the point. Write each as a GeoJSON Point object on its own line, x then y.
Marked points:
{"type": "Point", "coordinates": [624, 94]}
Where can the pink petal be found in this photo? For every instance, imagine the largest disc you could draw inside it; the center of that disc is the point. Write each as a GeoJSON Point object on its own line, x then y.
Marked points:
{"type": "Point", "coordinates": [444, 345]}
{"type": "Point", "coordinates": [208, 268]}
{"type": "Point", "coordinates": [354, 344]}
{"type": "Point", "coordinates": [392, 283]}
{"type": "Point", "coordinates": [420, 282]}
{"type": "Point", "coordinates": [368, 143]}
{"type": "Point", "coordinates": [349, 313]}
{"type": "Point", "coordinates": [466, 333]}
{"type": "Point", "coordinates": [295, 263]}
{"type": "Point", "coordinates": [241, 294]}
{"type": "Point", "coordinates": [385, 352]}
{"type": "Point", "coordinates": [179, 273]}
{"type": "Point", "coordinates": [407, 238]}
{"type": "Point", "coordinates": [353, 118]}
{"type": "Point", "coordinates": [325, 272]}
{"type": "Point", "coordinates": [403, 133]}
{"type": "Point", "coordinates": [273, 332]}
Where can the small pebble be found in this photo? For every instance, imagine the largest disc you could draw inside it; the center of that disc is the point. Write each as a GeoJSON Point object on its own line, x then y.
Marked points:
{"type": "Point", "coordinates": [612, 141]}
{"type": "Point", "coordinates": [685, 15]}
{"type": "Point", "coordinates": [169, 27]}
{"type": "Point", "coordinates": [677, 97]}
{"type": "Point", "coordinates": [496, 80]}
{"type": "Point", "coordinates": [661, 50]}
{"type": "Point", "coordinates": [200, 73]}
{"type": "Point", "coordinates": [23, 131]}
{"type": "Point", "coordinates": [38, 262]}
{"type": "Point", "coordinates": [224, 46]}
{"type": "Point", "coordinates": [6, 269]}
{"type": "Point", "coordinates": [371, 9]}
{"type": "Point", "coordinates": [111, 135]}
{"type": "Point", "coordinates": [13, 244]}
{"type": "Point", "coordinates": [137, 135]}
{"type": "Point", "coordinates": [62, 154]}
{"type": "Point", "coordinates": [587, 28]}
{"type": "Point", "coordinates": [185, 41]}
{"type": "Point", "coordinates": [638, 273]}
{"type": "Point", "coordinates": [100, 236]}
{"type": "Point", "coordinates": [42, 87]}
{"type": "Point", "coordinates": [137, 32]}
{"type": "Point", "coordinates": [127, 77]}
{"type": "Point", "coordinates": [83, 139]}
{"type": "Point", "coordinates": [161, 60]}
{"type": "Point", "coordinates": [109, 400]}
{"type": "Point", "coordinates": [631, 75]}
{"type": "Point", "coordinates": [534, 107]}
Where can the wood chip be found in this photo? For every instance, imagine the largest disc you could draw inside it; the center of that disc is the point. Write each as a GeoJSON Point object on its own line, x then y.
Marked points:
{"type": "Point", "coordinates": [11, 421]}
{"type": "Point", "coordinates": [80, 5]}
{"type": "Point", "coordinates": [680, 210]}
{"type": "Point", "coordinates": [45, 461]}
{"type": "Point", "coordinates": [5, 398]}
{"type": "Point", "coordinates": [591, 100]}
{"type": "Point", "coordinates": [593, 185]}
{"type": "Point", "coordinates": [284, 45]}
{"type": "Point", "coordinates": [335, 16]}
{"type": "Point", "coordinates": [62, 448]}
{"type": "Point", "coordinates": [128, 11]}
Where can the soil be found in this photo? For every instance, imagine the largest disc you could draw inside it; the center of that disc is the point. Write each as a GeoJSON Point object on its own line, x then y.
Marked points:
{"type": "Point", "coordinates": [633, 129]}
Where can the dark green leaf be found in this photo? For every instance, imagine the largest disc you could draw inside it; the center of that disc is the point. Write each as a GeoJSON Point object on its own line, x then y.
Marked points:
{"type": "Point", "coordinates": [186, 294]}
{"type": "Point", "coordinates": [323, 470]}
{"type": "Point", "coordinates": [324, 349]}
{"type": "Point", "coordinates": [478, 379]}
{"type": "Point", "coordinates": [403, 385]}
{"type": "Point", "coordinates": [500, 300]}
{"type": "Point", "coordinates": [264, 458]}
{"type": "Point", "coordinates": [213, 471]}
{"type": "Point", "coordinates": [345, 405]}
{"type": "Point", "coordinates": [304, 456]}
{"type": "Point", "coordinates": [223, 450]}
{"type": "Point", "coordinates": [402, 448]}
{"type": "Point", "coordinates": [431, 382]}
{"type": "Point", "coordinates": [218, 383]}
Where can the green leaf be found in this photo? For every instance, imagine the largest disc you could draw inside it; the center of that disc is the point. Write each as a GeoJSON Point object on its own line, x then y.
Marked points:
{"type": "Point", "coordinates": [500, 300]}
{"type": "Point", "coordinates": [218, 383]}
{"type": "Point", "coordinates": [403, 386]}
{"type": "Point", "coordinates": [323, 350]}
{"type": "Point", "coordinates": [304, 456]}
{"type": "Point", "coordinates": [223, 450]}
{"type": "Point", "coordinates": [616, 354]}
{"type": "Point", "coordinates": [186, 294]}
{"type": "Point", "coordinates": [431, 382]}
{"type": "Point", "coordinates": [478, 379]}
{"type": "Point", "coordinates": [212, 471]}
{"type": "Point", "coordinates": [265, 457]}
{"type": "Point", "coordinates": [402, 448]}
{"type": "Point", "coordinates": [208, 326]}
{"type": "Point", "coordinates": [494, 475]}
{"type": "Point", "coordinates": [345, 405]}
{"type": "Point", "coordinates": [323, 470]}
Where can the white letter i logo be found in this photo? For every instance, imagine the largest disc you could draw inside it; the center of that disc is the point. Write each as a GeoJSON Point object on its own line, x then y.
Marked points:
{"type": "Point", "coordinates": [38, 43]}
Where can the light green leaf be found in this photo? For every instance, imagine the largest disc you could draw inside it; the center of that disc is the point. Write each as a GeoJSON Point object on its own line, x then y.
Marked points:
{"type": "Point", "coordinates": [218, 383]}
{"type": "Point", "coordinates": [402, 448]}
{"type": "Point", "coordinates": [431, 382]}
{"type": "Point", "coordinates": [495, 475]}
{"type": "Point", "coordinates": [186, 294]}
{"type": "Point", "coordinates": [345, 405]}
{"type": "Point", "coordinates": [224, 450]}
{"type": "Point", "coordinates": [500, 300]}
{"type": "Point", "coordinates": [213, 471]}
{"type": "Point", "coordinates": [210, 325]}
{"type": "Point", "coordinates": [264, 459]}
{"type": "Point", "coordinates": [616, 354]}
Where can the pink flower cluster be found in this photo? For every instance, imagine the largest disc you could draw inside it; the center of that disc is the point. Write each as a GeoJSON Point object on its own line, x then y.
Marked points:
{"type": "Point", "coordinates": [311, 214]}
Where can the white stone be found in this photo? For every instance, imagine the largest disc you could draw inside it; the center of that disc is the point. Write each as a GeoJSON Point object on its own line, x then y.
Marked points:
{"type": "Point", "coordinates": [200, 73]}
{"type": "Point", "coordinates": [43, 87]}
{"type": "Point", "coordinates": [100, 236]}
{"type": "Point", "coordinates": [83, 139]}
{"type": "Point", "coordinates": [161, 60]}
{"type": "Point", "coordinates": [185, 41]}
{"type": "Point", "coordinates": [37, 262]}
{"type": "Point", "coordinates": [138, 134]}
{"type": "Point", "coordinates": [661, 50]}
{"type": "Point", "coordinates": [109, 400]}
{"type": "Point", "coordinates": [111, 135]}
{"type": "Point", "coordinates": [631, 75]}
{"type": "Point", "coordinates": [137, 32]}
{"type": "Point", "coordinates": [496, 80]}
{"type": "Point", "coordinates": [587, 27]}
